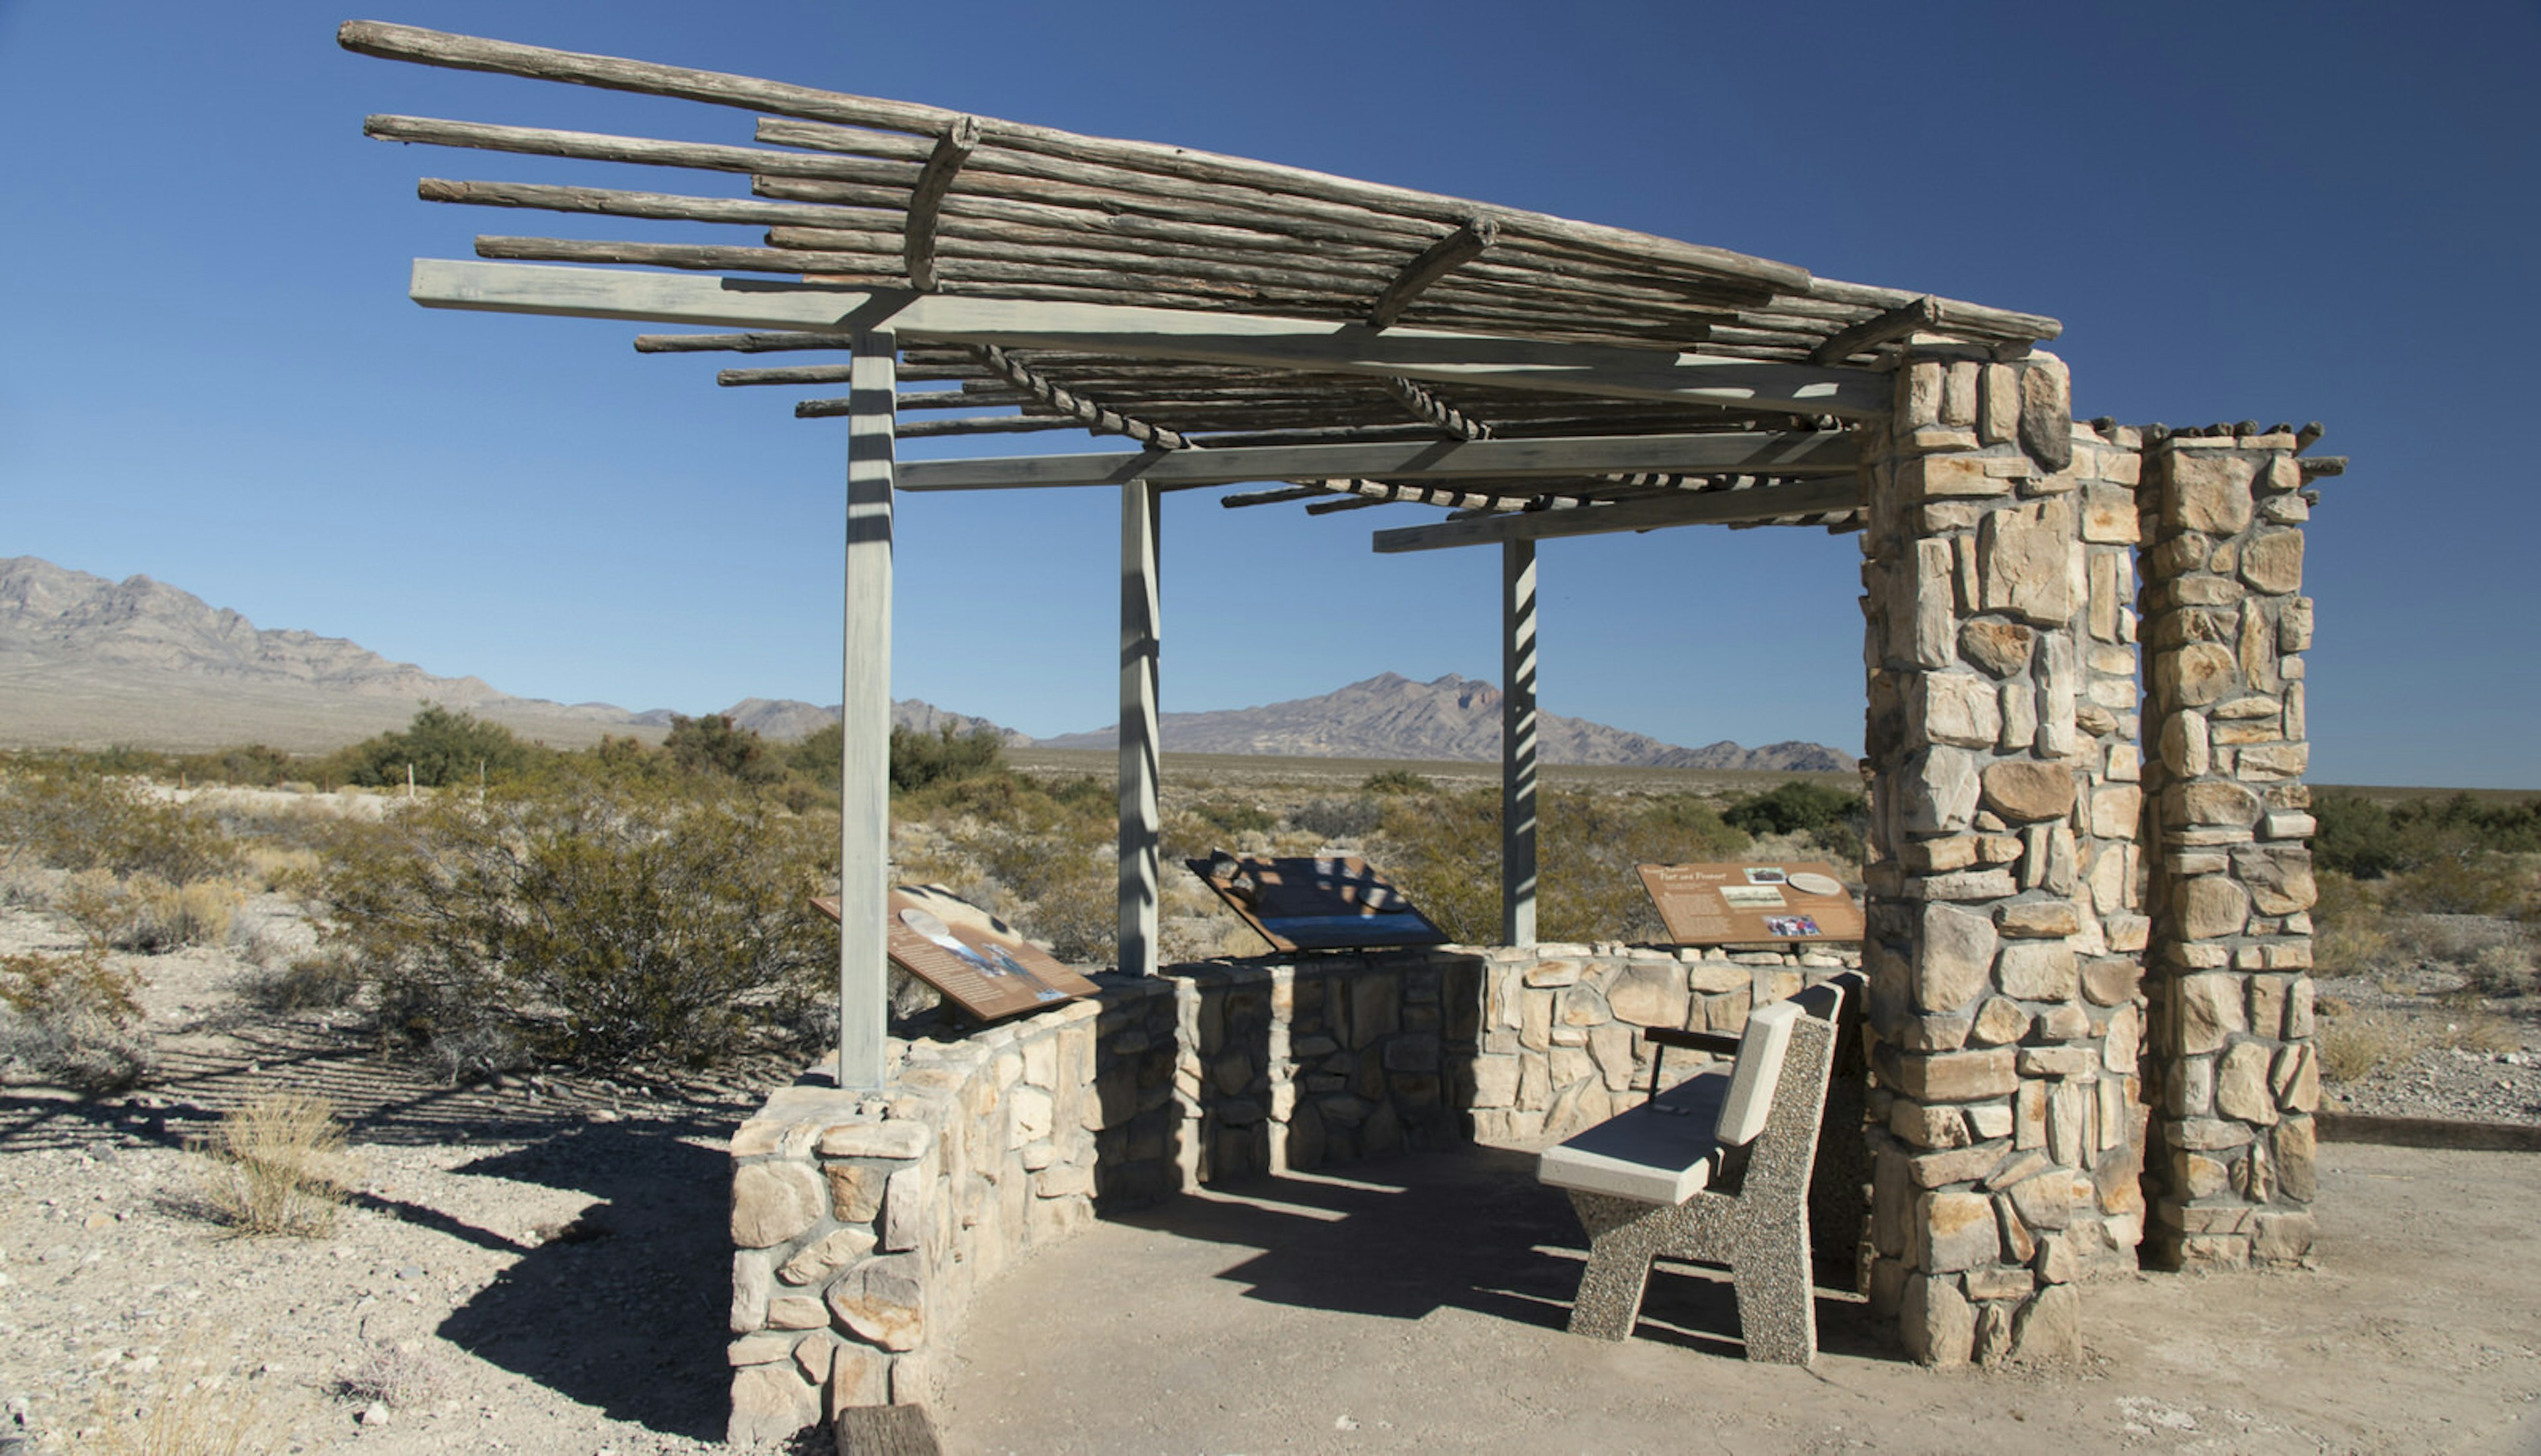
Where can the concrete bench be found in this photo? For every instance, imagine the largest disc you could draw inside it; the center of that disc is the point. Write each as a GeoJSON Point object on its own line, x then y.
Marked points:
{"type": "Point", "coordinates": [1715, 1170]}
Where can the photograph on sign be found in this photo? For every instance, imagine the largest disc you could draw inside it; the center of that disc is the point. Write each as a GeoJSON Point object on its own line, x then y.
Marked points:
{"type": "Point", "coordinates": [1752, 904]}
{"type": "Point", "coordinates": [980, 963]}
{"type": "Point", "coordinates": [1327, 902]}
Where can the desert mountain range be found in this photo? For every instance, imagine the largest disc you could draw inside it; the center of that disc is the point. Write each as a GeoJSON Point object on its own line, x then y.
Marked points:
{"type": "Point", "coordinates": [90, 662]}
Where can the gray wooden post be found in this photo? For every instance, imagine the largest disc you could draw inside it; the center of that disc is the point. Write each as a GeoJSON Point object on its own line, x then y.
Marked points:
{"type": "Point", "coordinates": [864, 742]}
{"type": "Point", "coordinates": [1141, 868]}
{"type": "Point", "coordinates": [1518, 743]}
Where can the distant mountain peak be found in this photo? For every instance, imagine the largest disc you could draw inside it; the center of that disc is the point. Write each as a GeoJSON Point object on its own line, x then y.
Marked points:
{"type": "Point", "coordinates": [1448, 718]}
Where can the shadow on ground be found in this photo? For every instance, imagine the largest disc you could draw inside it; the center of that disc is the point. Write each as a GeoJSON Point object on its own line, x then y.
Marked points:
{"type": "Point", "coordinates": [624, 1309]}
{"type": "Point", "coordinates": [1474, 1231]}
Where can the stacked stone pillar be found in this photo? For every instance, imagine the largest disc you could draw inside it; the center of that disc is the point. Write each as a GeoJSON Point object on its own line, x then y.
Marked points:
{"type": "Point", "coordinates": [2231, 879]}
{"type": "Point", "coordinates": [2005, 1013]}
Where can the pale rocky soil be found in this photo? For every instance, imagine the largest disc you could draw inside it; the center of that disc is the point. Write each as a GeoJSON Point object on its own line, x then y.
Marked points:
{"type": "Point", "coordinates": [550, 1253]}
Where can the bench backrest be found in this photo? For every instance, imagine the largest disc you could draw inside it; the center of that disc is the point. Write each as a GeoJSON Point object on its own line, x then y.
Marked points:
{"type": "Point", "coordinates": [1755, 1074]}
{"type": "Point", "coordinates": [1761, 1051]}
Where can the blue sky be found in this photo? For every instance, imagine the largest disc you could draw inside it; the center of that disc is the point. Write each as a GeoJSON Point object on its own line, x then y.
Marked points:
{"type": "Point", "coordinates": [209, 372]}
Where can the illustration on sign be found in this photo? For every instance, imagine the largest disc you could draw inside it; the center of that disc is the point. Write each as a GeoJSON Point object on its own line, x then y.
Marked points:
{"type": "Point", "coordinates": [1752, 904]}
{"type": "Point", "coordinates": [1327, 902]}
{"type": "Point", "coordinates": [978, 961]}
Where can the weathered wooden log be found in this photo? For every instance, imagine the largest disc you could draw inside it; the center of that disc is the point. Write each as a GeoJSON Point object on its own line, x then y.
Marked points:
{"type": "Point", "coordinates": [1442, 257]}
{"type": "Point", "coordinates": [1432, 409]}
{"type": "Point", "coordinates": [1906, 318]}
{"type": "Point", "coordinates": [439, 48]}
{"type": "Point", "coordinates": [1095, 417]}
{"type": "Point", "coordinates": [739, 343]}
{"type": "Point", "coordinates": [593, 146]}
{"type": "Point", "coordinates": [666, 206]}
{"type": "Point", "coordinates": [855, 269]}
{"type": "Point", "coordinates": [952, 149]}
{"type": "Point", "coordinates": [1974, 319]}
{"type": "Point", "coordinates": [1279, 497]}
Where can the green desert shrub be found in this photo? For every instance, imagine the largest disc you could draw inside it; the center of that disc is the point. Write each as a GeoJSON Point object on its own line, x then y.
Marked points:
{"type": "Point", "coordinates": [73, 1017]}
{"type": "Point", "coordinates": [441, 747]}
{"type": "Point", "coordinates": [73, 820]}
{"type": "Point", "coordinates": [593, 922]}
{"type": "Point", "coordinates": [713, 745]}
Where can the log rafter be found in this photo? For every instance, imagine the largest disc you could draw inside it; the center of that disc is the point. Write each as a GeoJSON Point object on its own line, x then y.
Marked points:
{"type": "Point", "coordinates": [1183, 300]}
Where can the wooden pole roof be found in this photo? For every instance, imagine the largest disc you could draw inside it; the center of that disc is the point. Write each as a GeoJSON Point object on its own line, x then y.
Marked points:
{"type": "Point", "coordinates": [1191, 302]}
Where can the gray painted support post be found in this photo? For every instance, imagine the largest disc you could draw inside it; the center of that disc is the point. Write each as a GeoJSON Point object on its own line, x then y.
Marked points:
{"type": "Point", "coordinates": [1141, 639]}
{"type": "Point", "coordinates": [1139, 643]}
{"type": "Point", "coordinates": [864, 745]}
{"type": "Point", "coordinates": [1518, 743]}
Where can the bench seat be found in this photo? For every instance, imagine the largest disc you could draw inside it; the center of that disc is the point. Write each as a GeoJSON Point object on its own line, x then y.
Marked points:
{"type": "Point", "coordinates": [1662, 1153]}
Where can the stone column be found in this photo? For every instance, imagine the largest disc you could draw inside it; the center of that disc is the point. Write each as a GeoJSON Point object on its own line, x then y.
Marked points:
{"type": "Point", "coordinates": [2230, 871]}
{"type": "Point", "coordinates": [2000, 693]}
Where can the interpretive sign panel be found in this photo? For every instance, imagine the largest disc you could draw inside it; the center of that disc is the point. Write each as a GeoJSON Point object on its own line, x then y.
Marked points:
{"type": "Point", "coordinates": [973, 958]}
{"type": "Point", "coordinates": [1327, 902]}
{"type": "Point", "coordinates": [1749, 904]}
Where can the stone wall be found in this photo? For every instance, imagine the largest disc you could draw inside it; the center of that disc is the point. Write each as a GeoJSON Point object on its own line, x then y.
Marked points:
{"type": "Point", "coordinates": [2232, 884]}
{"type": "Point", "coordinates": [2005, 1015]}
{"type": "Point", "coordinates": [1560, 1046]}
{"type": "Point", "coordinates": [864, 1222]}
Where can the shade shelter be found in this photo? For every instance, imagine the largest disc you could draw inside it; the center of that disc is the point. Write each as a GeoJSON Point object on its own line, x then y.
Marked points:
{"type": "Point", "coordinates": [2044, 832]}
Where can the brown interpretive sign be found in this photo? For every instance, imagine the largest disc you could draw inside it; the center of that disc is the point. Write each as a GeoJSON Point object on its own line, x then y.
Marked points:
{"type": "Point", "coordinates": [1747, 903]}
{"type": "Point", "coordinates": [973, 958]}
{"type": "Point", "coordinates": [1323, 902]}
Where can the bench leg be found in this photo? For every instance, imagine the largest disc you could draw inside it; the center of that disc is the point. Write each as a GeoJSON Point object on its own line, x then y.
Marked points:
{"type": "Point", "coordinates": [1623, 1238]}
{"type": "Point", "coordinates": [1777, 1310]}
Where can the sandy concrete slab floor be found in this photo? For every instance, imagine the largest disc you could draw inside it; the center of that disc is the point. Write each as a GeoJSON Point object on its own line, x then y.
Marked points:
{"type": "Point", "coordinates": [1417, 1304]}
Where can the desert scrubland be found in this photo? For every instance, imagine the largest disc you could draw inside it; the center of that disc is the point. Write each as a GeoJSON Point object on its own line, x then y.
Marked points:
{"type": "Point", "coordinates": [522, 1003]}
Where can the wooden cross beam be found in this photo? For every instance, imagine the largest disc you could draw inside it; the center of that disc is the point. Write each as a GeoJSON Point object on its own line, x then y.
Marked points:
{"type": "Point", "coordinates": [1807, 453]}
{"type": "Point", "coordinates": [1130, 332]}
{"type": "Point", "coordinates": [1693, 507]}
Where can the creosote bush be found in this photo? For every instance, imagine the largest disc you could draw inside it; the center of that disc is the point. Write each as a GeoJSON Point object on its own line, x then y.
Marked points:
{"type": "Point", "coordinates": [586, 920]}
{"type": "Point", "coordinates": [71, 818]}
{"type": "Point", "coordinates": [277, 1166]}
{"type": "Point", "coordinates": [72, 1017]}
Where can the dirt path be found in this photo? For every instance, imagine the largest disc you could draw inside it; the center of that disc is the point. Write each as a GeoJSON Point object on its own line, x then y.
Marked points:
{"type": "Point", "coordinates": [1417, 1305]}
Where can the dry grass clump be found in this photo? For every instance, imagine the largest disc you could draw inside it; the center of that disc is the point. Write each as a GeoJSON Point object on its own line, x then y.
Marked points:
{"type": "Point", "coordinates": [147, 914]}
{"type": "Point", "coordinates": [2485, 1032]}
{"type": "Point", "coordinates": [2504, 970]}
{"type": "Point", "coordinates": [277, 1166]}
{"type": "Point", "coordinates": [398, 1376]}
{"type": "Point", "coordinates": [2356, 1044]}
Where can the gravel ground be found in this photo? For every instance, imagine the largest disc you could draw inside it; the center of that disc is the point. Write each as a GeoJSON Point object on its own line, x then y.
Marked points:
{"type": "Point", "coordinates": [2451, 1055]}
{"type": "Point", "coordinates": [537, 1266]}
